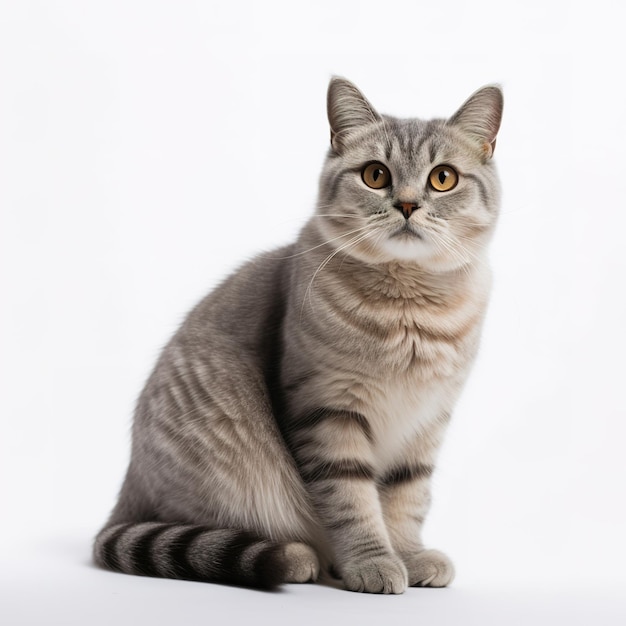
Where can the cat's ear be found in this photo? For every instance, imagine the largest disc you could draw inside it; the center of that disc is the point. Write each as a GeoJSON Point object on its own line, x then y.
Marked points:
{"type": "Point", "coordinates": [480, 117]}
{"type": "Point", "coordinates": [348, 109]}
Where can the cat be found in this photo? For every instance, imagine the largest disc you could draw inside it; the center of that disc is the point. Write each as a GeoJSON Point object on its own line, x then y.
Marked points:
{"type": "Point", "coordinates": [290, 427]}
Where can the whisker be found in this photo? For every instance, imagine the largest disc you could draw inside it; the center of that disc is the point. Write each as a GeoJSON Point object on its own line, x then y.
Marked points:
{"type": "Point", "coordinates": [444, 242]}
{"type": "Point", "coordinates": [291, 256]}
{"type": "Point", "coordinates": [353, 242]}
{"type": "Point", "coordinates": [346, 215]}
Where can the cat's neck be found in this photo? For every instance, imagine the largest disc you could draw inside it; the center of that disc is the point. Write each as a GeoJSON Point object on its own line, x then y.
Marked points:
{"type": "Point", "coordinates": [402, 280]}
{"type": "Point", "coordinates": [394, 280]}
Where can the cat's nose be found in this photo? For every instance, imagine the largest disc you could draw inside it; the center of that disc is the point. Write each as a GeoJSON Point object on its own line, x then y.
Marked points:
{"type": "Point", "coordinates": [406, 207]}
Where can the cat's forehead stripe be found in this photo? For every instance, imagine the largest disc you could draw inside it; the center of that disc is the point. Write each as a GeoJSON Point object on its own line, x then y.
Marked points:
{"type": "Point", "coordinates": [404, 140]}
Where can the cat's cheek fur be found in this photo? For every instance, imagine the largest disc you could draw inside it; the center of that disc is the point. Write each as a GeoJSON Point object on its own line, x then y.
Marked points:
{"type": "Point", "coordinates": [294, 420]}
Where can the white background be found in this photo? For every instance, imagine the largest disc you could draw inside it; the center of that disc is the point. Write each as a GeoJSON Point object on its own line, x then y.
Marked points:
{"type": "Point", "coordinates": [147, 148]}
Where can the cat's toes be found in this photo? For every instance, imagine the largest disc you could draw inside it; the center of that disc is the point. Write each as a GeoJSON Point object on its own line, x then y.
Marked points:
{"type": "Point", "coordinates": [429, 568]}
{"type": "Point", "coordinates": [303, 565]}
{"type": "Point", "coordinates": [382, 574]}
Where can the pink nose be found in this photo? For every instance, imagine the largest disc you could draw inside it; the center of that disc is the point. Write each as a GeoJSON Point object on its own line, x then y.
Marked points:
{"type": "Point", "coordinates": [406, 207]}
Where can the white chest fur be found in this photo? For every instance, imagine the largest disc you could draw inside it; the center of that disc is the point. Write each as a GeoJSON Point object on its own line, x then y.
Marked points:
{"type": "Point", "coordinates": [400, 410]}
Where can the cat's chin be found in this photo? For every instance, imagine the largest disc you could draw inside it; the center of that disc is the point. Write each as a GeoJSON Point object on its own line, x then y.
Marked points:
{"type": "Point", "coordinates": [417, 250]}
{"type": "Point", "coordinates": [407, 246]}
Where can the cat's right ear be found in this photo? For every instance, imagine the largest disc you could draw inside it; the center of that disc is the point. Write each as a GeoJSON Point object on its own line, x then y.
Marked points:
{"type": "Point", "coordinates": [348, 109]}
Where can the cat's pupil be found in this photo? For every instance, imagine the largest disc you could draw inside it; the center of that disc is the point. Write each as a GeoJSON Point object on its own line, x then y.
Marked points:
{"type": "Point", "coordinates": [442, 176]}
{"type": "Point", "coordinates": [377, 174]}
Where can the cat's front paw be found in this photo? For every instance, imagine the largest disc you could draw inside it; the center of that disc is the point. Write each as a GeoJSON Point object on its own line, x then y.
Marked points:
{"type": "Point", "coordinates": [429, 568]}
{"type": "Point", "coordinates": [380, 574]}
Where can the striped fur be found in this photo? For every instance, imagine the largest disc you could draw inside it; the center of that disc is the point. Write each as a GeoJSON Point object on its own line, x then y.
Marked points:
{"type": "Point", "coordinates": [192, 553]}
{"type": "Point", "coordinates": [291, 425]}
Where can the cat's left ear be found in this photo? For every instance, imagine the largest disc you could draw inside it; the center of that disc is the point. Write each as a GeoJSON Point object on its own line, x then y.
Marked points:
{"type": "Point", "coordinates": [480, 117]}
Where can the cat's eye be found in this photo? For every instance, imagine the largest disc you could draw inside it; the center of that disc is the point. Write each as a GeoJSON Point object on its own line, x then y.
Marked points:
{"type": "Point", "coordinates": [443, 178]}
{"type": "Point", "coordinates": [376, 176]}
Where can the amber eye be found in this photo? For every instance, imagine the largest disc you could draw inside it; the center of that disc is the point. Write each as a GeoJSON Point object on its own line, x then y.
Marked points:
{"type": "Point", "coordinates": [376, 176]}
{"type": "Point", "coordinates": [443, 178]}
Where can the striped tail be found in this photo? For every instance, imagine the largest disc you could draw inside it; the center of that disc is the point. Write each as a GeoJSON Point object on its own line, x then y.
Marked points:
{"type": "Point", "coordinates": [192, 553]}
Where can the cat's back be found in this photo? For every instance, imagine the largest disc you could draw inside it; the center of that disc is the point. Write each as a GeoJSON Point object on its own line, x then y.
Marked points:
{"type": "Point", "coordinates": [244, 305]}
{"type": "Point", "coordinates": [226, 344]}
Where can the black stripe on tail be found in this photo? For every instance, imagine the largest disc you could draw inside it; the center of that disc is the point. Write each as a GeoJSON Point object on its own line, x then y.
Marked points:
{"type": "Point", "coordinates": [191, 552]}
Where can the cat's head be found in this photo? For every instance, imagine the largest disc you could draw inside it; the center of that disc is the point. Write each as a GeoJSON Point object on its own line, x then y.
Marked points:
{"type": "Point", "coordinates": [408, 190]}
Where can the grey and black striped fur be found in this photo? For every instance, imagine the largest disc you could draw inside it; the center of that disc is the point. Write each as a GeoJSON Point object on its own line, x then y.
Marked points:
{"type": "Point", "coordinates": [291, 425]}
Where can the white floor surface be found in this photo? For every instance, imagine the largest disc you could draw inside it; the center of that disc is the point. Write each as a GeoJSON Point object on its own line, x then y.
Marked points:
{"type": "Point", "coordinates": [54, 583]}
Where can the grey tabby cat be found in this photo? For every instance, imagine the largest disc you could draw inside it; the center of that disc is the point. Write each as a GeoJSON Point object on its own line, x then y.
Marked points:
{"type": "Point", "coordinates": [291, 425]}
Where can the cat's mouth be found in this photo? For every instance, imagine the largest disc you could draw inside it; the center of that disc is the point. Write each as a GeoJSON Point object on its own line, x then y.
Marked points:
{"type": "Point", "coordinates": [407, 231]}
